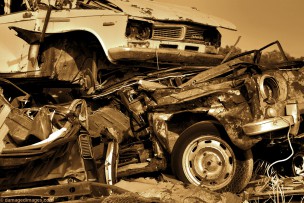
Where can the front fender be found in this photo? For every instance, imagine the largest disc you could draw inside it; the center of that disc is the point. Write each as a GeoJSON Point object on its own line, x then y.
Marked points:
{"type": "Point", "coordinates": [107, 26]}
{"type": "Point", "coordinates": [162, 125]}
{"type": "Point", "coordinates": [232, 120]}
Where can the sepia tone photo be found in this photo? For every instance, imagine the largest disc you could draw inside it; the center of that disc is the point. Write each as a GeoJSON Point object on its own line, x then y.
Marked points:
{"type": "Point", "coordinates": [151, 101]}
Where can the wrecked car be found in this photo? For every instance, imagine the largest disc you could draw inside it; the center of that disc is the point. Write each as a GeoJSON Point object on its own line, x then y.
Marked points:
{"type": "Point", "coordinates": [81, 41]}
{"type": "Point", "coordinates": [47, 152]}
{"type": "Point", "coordinates": [201, 122]}
{"type": "Point", "coordinates": [204, 122]}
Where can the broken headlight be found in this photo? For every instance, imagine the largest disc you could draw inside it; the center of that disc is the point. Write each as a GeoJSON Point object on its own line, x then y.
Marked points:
{"type": "Point", "coordinates": [269, 89]}
{"type": "Point", "coordinates": [138, 30]}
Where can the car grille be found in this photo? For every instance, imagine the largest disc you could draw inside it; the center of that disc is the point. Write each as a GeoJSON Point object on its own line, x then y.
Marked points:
{"type": "Point", "coordinates": [194, 33]}
{"type": "Point", "coordinates": [167, 33]}
{"type": "Point", "coordinates": [180, 33]}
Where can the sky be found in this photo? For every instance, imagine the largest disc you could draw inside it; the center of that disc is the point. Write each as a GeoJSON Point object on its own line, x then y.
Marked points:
{"type": "Point", "coordinates": [258, 22]}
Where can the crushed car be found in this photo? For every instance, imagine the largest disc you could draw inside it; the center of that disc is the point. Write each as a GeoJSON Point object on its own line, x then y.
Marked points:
{"type": "Point", "coordinates": [81, 41]}
{"type": "Point", "coordinates": [204, 122]}
{"type": "Point", "coordinates": [158, 96]}
{"type": "Point", "coordinates": [201, 122]}
{"type": "Point", "coordinates": [47, 153]}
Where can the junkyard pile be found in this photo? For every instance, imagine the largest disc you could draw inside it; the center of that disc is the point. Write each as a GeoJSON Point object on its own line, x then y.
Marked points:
{"type": "Point", "coordinates": [203, 121]}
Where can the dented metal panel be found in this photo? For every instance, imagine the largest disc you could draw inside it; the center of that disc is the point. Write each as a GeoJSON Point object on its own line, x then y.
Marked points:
{"type": "Point", "coordinates": [169, 12]}
{"type": "Point", "coordinates": [110, 121]}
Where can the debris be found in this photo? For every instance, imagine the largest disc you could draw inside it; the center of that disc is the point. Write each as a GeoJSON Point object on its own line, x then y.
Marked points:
{"type": "Point", "coordinates": [4, 112]}
{"type": "Point", "coordinates": [175, 191]}
{"type": "Point", "coordinates": [274, 188]}
{"type": "Point", "coordinates": [205, 119]}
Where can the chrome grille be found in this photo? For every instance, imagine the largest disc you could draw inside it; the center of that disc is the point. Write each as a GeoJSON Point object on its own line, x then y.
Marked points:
{"type": "Point", "coordinates": [195, 34]}
{"type": "Point", "coordinates": [167, 33]}
{"type": "Point", "coordinates": [184, 33]}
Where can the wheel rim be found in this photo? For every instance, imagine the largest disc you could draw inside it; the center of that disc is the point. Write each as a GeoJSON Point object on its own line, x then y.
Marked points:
{"type": "Point", "coordinates": [209, 161]}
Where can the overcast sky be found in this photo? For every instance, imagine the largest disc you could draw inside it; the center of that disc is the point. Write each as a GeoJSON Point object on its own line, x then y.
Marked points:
{"type": "Point", "coordinates": [259, 22]}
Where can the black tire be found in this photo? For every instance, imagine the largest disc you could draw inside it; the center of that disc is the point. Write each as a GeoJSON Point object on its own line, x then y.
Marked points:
{"type": "Point", "coordinates": [70, 60]}
{"type": "Point", "coordinates": [201, 157]}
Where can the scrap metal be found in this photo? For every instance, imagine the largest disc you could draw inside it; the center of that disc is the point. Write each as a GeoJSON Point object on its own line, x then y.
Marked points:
{"type": "Point", "coordinates": [135, 115]}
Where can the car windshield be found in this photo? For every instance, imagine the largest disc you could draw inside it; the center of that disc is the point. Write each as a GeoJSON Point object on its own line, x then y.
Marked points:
{"type": "Point", "coordinates": [100, 4]}
{"type": "Point", "coordinates": [59, 4]}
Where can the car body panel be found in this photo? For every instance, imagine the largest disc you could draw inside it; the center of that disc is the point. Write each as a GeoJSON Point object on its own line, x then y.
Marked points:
{"type": "Point", "coordinates": [14, 50]}
{"type": "Point", "coordinates": [145, 112]}
{"type": "Point", "coordinates": [176, 35]}
{"type": "Point", "coordinates": [61, 21]}
{"type": "Point", "coordinates": [170, 12]}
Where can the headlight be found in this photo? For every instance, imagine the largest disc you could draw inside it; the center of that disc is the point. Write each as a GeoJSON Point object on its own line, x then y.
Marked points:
{"type": "Point", "coordinates": [138, 30]}
{"type": "Point", "coordinates": [269, 89]}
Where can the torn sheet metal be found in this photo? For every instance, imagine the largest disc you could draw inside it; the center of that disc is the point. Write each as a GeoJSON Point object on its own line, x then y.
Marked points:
{"type": "Point", "coordinates": [111, 121]}
{"type": "Point", "coordinates": [42, 145]}
{"type": "Point", "coordinates": [211, 73]}
{"type": "Point", "coordinates": [146, 111]}
{"type": "Point", "coordinates": [202, 90]}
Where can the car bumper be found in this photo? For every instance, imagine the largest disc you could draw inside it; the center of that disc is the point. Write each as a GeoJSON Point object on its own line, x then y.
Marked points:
{"type": "Point", "coordinates": [164, 55]}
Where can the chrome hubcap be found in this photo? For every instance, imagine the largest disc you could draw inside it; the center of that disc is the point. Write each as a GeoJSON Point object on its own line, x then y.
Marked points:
{"type": "Point", "coordinates": [209, 161]}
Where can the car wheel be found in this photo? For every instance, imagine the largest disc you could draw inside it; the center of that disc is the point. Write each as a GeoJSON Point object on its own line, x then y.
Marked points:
{"type": "Point", "coordinates": [201, 157]}
{"type": "Point", "coordinates": [69, 60]}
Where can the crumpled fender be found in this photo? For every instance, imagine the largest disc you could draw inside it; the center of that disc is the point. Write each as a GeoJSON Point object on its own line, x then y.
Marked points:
{"type": "Point", "coordinates": [31, 37]}
{"type": "Point", "coordinates": [233, 120]}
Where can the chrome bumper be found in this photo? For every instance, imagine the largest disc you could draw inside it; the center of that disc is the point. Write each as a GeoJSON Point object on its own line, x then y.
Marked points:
{"type": "Point", "coordinates": [164, 55]}
{"type": "Point", "coordinates": [268, 125]}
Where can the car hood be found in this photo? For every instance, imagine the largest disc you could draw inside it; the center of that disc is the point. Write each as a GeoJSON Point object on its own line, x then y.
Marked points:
{"type": "Point", "coordinates": [150, 9]}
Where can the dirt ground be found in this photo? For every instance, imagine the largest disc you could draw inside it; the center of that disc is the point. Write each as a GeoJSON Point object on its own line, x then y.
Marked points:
{"type": "Point", "coordinates": [168, 190]}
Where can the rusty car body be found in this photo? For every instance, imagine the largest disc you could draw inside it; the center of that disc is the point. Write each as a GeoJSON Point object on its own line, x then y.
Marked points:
{"type": "Point", "coordinates": [47, 152]}
{"type": "Point", "coordinates": [201, 122]}
{"type": "Point", "coordinates": [80, 41]}
{"type": "Point", "coordinates": [157, 93]}
{"type": "Point", "coordinates": [205, 121]}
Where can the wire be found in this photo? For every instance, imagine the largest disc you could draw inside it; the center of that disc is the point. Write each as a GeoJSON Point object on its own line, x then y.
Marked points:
{"type": "Point", "coordinates": [289, 142]}
{"type": "Point", "coordinates": [276, 186]}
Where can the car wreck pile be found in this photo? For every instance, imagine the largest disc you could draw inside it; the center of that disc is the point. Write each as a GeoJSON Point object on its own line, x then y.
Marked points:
{"type": "Point", "coordinates": [156, 98]}
{"type": "Point", "coordinates": [205, 121]}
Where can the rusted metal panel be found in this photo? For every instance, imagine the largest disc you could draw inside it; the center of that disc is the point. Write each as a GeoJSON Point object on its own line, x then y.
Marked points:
{"type": "Point", "coordinates": [71, 191]}
{"type": "Point", "coordinates": [188, 94]}
{"type": "Point", "coordinates": [110, 121]}
{"type": "Point", "coordinates": [233, 119]}
{"type": "Point", "coordinates": [211, 73]}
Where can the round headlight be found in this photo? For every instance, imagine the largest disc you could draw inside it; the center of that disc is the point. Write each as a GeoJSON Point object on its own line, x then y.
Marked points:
{"type": "Point", "coordinates": [269, 89]}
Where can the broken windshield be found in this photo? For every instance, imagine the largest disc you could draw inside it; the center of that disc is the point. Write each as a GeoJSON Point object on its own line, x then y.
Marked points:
{"type": "Point", "coordinates": [70, 4]}
{"type": "Point", "coordinates": [100, 4]}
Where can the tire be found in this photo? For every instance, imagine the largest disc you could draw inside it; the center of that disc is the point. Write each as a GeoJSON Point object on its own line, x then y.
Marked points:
{"type": "Point", "coordinates": [70, 60]}
{"type": "Point", "coordinates": [201, 157]}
